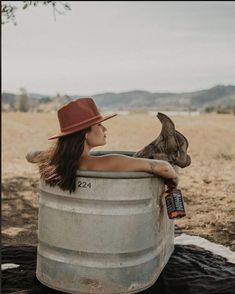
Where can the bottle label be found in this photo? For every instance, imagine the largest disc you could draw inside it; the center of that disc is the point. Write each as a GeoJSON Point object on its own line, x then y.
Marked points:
{"type": "Point", "coordinates": [169, 203]}
{"type": "Point", "coordinates": [178, 200]}
{"type": "Point", "coordinates": [174, 203]}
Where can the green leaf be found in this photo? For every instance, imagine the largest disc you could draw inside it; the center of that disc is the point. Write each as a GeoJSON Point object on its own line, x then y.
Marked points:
{"type": "Point", "coordinates": [25, 6]}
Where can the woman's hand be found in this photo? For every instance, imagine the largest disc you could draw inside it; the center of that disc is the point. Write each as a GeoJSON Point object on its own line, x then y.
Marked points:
{"type": "Point", "coordinates": [172, 183]}
{"type": "Point", "coordinates": [33, 156]}
{"type": "Point", "coordinates": [163, 168]}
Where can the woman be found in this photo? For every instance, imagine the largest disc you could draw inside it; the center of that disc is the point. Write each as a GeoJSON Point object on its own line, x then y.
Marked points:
{"type": "Point", "coordinates": [81, 129]}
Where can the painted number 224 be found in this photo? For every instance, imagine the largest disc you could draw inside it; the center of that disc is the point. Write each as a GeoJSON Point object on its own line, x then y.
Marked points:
{"type": "Point", "coordinates": [84, 184]}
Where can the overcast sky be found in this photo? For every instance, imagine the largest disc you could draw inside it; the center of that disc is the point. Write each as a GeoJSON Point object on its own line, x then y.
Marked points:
{"type": "Point", "coordinates": [120, 46]}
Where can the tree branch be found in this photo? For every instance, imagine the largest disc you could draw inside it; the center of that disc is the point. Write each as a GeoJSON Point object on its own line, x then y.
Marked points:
{"type": "Point", "coordinates": [8, 11]}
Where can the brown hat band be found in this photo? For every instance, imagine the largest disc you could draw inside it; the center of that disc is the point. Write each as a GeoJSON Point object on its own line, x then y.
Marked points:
{"type": "Point", "coordinates": [90, 120]}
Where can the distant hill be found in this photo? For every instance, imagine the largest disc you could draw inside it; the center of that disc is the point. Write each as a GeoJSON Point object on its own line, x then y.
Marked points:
{"type": "Point", "coordinates": [38, 95]}
{"type": "Point", "coordinates": [220, 95]}
{"type": "Point", "coordinates": [8, 98]}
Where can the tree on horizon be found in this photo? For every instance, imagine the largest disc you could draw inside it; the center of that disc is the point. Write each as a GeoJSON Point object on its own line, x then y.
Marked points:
{"type": "Point", "coordinates": [8, 11]}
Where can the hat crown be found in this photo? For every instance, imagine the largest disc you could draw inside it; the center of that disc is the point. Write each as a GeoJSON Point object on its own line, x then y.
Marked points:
{"type": "Point", "coordinates": [78, 115]}
{"type": "Point", "coordinates": [77, 112]}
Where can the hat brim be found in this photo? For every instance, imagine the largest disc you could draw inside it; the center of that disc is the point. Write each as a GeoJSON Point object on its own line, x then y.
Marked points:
{"type": "Point", "coordinates": [80, 128]}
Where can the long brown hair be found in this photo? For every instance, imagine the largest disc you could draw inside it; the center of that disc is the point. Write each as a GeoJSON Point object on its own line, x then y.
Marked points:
{"type": "Point", "coordinates": [61, 162]}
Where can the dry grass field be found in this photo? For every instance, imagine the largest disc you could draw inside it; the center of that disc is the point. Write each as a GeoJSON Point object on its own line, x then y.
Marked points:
{"type": "Point", "coordinates": [208, 184]}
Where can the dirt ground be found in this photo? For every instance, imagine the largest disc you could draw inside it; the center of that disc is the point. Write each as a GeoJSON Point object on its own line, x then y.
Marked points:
{"type": "Point", "coordinates": [208, 184]}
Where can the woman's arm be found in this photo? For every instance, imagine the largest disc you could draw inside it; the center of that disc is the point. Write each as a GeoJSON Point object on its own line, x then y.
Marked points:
{"type": "Point", "coordinates": [117, 162]}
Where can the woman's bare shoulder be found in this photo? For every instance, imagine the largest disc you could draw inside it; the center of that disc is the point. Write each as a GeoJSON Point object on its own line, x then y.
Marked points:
{"type": "Point", "coordinates": [111, 162]}
{"type": "Point", "coordinates": [101, 162]}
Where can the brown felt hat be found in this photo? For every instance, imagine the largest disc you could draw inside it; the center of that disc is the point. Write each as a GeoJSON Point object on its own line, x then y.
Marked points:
{"type": "Point", "coordinates": [78, 115]}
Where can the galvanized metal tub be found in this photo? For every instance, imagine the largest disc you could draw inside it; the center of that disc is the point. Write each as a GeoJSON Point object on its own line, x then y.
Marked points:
{"type": "Point", "coordinates": [111, 235]}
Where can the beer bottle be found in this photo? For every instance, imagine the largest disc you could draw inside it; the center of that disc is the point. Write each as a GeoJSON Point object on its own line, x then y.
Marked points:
{"type": "Point", "coordinates": [174, 203]}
